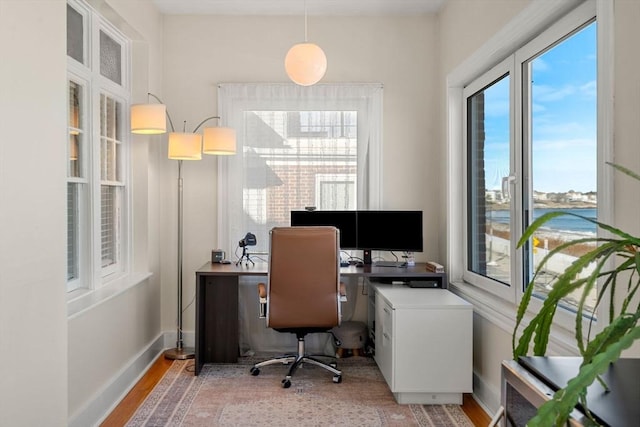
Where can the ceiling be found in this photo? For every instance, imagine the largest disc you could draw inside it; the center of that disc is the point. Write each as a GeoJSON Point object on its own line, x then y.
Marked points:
{"type": "Point", "coordinates": [296, 7]}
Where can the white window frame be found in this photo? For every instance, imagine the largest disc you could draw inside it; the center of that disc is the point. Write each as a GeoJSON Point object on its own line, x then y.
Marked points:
{"type": "Point", "coordinates": [91, 274]}
{"type": "Point", "coordinates": [536, 19]}
{"type": "Point", "coordinates": [505, 67]}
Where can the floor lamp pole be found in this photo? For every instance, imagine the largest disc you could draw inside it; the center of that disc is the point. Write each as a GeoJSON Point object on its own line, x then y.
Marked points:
{"type": "Point", "coordinates": [179, 352]}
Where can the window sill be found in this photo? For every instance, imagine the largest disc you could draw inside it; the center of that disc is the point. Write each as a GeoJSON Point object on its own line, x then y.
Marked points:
{"type": "Point", "coordinates": [83, 300]}
{"type": "Point", "coordinates": [502, 313]}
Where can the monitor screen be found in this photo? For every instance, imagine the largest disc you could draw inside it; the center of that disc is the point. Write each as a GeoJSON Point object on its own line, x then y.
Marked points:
{"type": "Point", "coordinates": [390, 230]}
{"type": "Point", "coordinates": [345, 221]}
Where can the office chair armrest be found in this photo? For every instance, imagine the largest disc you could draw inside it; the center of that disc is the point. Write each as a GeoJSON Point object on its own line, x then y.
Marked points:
{"type": "Point", "coordinates": [343, 292]}
{"type": "Point", "coordinates": [262, 294]}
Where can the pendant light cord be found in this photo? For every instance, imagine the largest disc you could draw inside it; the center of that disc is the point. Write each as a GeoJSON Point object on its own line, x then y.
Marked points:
{"type": "Point", "coordinates": [305, 21]}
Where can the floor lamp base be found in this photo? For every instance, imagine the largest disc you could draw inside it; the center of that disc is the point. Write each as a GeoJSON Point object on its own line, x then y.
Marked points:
{"type": "Point", "coordinates": [180, 353]}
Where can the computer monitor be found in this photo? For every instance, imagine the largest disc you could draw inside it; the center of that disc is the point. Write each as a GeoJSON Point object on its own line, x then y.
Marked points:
{"type": "Point", "coordinates": [389, 231]}
{"type": "Point", "coordinates": [345, 221]}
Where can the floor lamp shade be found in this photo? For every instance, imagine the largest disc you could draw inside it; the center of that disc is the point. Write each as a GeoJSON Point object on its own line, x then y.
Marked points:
{"type": "Point", "coordinates": [219, 141]}
{"type": "Point", "coordinates": [149, 119]}
{"type": "Point", "coordinates": [305, 63]}
{"type": "Point", "coordinates": [185, 146]}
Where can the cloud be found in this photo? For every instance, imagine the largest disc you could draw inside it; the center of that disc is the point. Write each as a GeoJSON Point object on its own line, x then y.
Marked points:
{"type": "Point", "coordinates": [580, 147]}
{"type": "Point", "coordinates": [540, 65]}
{"type": "Point", "coordinates": [546, 93]}
{"type": "Point", "coordinates": [589, 89]}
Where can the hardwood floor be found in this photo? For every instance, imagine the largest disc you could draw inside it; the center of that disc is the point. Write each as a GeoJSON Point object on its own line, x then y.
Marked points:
{"type": "Point", "coordinates": [474, 411]}
{"type": "Point", "coordinates": [127, 407]}
{"type": "Point", "coordinates": [139, 392]}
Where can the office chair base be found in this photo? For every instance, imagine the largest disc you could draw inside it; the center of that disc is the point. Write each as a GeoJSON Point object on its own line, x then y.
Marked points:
{"type": "Point", "coordinates": [296, 361]}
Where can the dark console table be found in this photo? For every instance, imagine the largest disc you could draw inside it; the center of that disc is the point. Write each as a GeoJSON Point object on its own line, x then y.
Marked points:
{"type": "Point", "coordinates": [531, 381]}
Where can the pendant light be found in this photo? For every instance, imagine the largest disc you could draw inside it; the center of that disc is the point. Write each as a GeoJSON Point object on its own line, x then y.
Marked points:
{"type": "Point", "coordinates": [306, 62]}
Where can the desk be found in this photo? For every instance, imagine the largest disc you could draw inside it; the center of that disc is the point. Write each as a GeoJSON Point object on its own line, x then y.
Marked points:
{"type": "Point", "coordinates": [217, 331]}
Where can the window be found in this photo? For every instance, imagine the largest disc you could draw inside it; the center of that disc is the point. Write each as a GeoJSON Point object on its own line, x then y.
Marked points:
{"type": "Point", "coordinates": [97, 150]}
{"type": "Point", "coordinates": [297, 147]}
{"type": "Point", "coordinates": [489, 152]}
{"type": "Point", "coordinates": [530, 144]}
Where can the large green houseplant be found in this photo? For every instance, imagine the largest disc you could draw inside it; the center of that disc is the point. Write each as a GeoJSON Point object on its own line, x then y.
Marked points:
{"type": "Point", "coordinates": [616, 261]}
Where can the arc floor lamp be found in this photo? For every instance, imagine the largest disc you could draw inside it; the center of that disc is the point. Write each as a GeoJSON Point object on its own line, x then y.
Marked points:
{"type": "Point", "coordinates": [151, 119]}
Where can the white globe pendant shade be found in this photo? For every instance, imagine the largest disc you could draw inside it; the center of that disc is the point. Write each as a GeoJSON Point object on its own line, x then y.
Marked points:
{"type": "Point", "coordinates": [185, 146]}
{"type": "Point", "coordinates": [305, 63]}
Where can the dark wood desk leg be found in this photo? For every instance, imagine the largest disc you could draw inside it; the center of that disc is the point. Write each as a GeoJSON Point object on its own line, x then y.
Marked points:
{"type": "Point", "coordinates": [200, 290]}
{"type": "Point", "coordinates": [217, 330]}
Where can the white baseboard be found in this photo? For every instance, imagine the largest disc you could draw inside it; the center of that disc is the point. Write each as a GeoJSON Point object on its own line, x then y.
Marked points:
{"type": "Point", "coordinates": [94, 412]}
{"type": "Point", "coordinates": [486, 396]}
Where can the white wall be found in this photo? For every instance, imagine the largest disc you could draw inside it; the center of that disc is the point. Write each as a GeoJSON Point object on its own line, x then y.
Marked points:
{"type": "Point", "coordinates": [33, 332]}
{"type": "Point", "coordinates": [202, 51]}
{"type": "Point", "coordinates": [58, 370]}
{"type": "Point", "coordinates": [464, 28]}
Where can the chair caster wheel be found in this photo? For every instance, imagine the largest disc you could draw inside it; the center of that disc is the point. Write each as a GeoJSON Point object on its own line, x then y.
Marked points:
{"type": "Point", "coordinates": [337, 379]}
{"type": "Point", "coordinates": [286, 383]}
{"type": "Point", "coordinates": [254, 371]}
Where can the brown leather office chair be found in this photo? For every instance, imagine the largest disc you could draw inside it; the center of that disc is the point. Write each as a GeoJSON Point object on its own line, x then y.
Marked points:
{"type": "Point", "coordinates": [303, 291]}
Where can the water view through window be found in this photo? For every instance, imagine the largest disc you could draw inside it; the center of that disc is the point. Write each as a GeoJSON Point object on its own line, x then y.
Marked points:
{"type": "Point", "coordinates": [558, 154]}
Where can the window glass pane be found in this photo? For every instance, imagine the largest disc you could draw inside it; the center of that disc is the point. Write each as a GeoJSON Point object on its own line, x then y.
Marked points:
{"type": "Point", "coordinates": [296, 159]}
{"type": "Point", "coordinates": [73, 232]}
{"type": "Point", "coordinates": [109, 224]}
{"type": "Point", "coordinates": [110, 58]}
{"type": "Point", "coordinates": [110, 175]}
{"type": "Point", "coordinates": [110, 113]}
{"type": "Point", "coordinates": [336, 192]}
{"type": "Point", "coordinates": [75, 29]}
{"type": "Point", "coordinates": [75, 130]}
{"type": "Point", "coordinates": [489, 208]}
{"type": "Point", "coordinates": [563, 149]}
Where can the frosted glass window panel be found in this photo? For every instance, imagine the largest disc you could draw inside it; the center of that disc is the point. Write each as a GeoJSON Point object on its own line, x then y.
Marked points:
{"type": "Point", "coordinates": [75, 29]}
{"type": "Point", "coordinates": [110, 58]}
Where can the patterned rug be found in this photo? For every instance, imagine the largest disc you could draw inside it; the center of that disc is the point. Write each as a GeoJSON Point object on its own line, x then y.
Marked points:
{"type": "Point", "coordinates": [227, 395]}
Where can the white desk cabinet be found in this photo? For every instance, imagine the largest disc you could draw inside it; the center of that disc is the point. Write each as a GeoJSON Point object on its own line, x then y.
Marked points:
{"type": "Point", "coordinates": [423, 343]}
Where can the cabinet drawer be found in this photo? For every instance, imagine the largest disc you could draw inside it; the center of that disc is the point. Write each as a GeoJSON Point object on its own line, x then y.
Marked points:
{"type": "Point", "coordinates": [384, 338]}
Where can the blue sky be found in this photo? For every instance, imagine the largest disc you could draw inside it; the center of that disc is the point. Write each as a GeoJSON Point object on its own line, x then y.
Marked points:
{"type": "Point", "coordinates": [564, 119]}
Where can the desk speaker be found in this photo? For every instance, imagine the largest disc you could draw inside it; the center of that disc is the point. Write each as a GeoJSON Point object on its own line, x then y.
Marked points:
{"type": "Point", "coordinates": [217, 255]}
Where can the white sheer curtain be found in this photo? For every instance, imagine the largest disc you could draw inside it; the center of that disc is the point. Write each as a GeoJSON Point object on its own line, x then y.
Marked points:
{"type": "Point", "coordinates": [297, 147]}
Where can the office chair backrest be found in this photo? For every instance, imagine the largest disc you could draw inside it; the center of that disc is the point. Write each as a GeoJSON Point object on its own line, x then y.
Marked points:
{"type": "Point", "coordinates": [304, 278]}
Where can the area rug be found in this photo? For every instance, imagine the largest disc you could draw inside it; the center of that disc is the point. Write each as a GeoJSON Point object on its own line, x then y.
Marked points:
{"type": "Point", "coordinates": [228, 395]}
